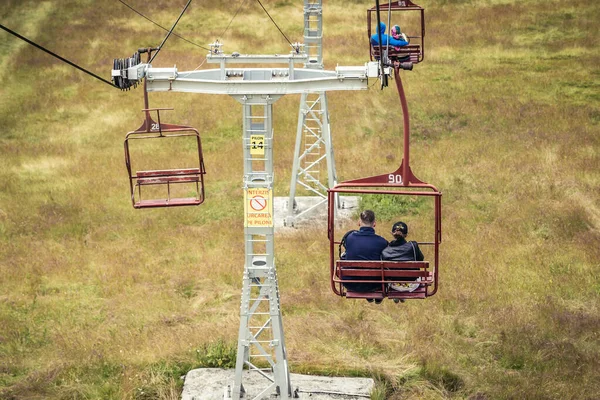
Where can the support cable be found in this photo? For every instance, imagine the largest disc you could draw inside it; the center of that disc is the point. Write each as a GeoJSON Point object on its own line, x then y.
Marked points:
{"type": "Point", "coordinates": [384, 81]}
{"type": "Point", "coordinates": [160, 26]}
{"type": "Point", "coordinates": [232, 18]}
{"type": "Point", "coordinates": [277, 26]}
{"type": "Point", "coordinates": [171, 31]}
{"type": "Point", "coordinates": [57, 56]}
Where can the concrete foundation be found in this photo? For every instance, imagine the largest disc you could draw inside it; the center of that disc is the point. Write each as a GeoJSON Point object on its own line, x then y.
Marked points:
{"type": "Point", "coordinates": [212, 384]}
{"type": "Point", "coordinates": [316, 215]}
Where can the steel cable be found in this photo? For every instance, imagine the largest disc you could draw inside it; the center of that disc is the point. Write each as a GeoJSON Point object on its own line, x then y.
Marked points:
{"type": "Point", "coordinates": [232, 18]}
{"type": "Point", "coordinates": [160, 26]}
{"type": "Point", "coordinates": [277, 26]}
{"type": "Point", "coordinates": [57, 56]}
{"type": "Point", "coordinates": [171, 31]}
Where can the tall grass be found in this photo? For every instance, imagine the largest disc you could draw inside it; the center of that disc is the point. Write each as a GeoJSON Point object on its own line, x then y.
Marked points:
{"type": "Point", "coordinates": [98, 300]}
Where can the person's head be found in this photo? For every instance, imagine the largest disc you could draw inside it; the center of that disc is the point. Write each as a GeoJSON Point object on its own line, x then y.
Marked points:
{"type": "Point", "coordinates": [382, 28]}
{"type": "Point", "coordinates": [399, 229]}
{"type": "Point", "coordinates": [396, 32]}
{"type": "Point", "coordinates": [367, 218]}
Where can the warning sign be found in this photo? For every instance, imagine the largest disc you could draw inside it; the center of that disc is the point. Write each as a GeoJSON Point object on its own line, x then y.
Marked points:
{"type": "Point", "coordinates": [258, 208]}
{"type": "Point", "coordinates": [257, 145]}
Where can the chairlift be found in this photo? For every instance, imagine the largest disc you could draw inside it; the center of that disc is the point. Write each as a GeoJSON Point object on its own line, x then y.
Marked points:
{"type": "Point", "coordinates": [414, 52]}
{"type": "Point", "coordinates": [401, 182]}
{"type": "Point", "coordinates": [190, 178]}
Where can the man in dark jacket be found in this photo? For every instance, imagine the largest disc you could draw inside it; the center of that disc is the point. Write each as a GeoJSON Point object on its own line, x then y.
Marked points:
{"type": "Point", "coordinates": [364, 244]}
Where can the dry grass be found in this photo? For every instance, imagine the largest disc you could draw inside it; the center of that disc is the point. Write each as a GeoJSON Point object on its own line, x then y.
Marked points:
{"type": "Point", "coordinates": [102, 301]}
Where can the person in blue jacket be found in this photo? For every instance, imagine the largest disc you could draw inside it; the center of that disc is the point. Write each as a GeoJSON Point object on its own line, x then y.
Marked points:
{"type": "Point", "coordinates": [398, 42]}
{"type": "Point", "coordinates": [364, 244]}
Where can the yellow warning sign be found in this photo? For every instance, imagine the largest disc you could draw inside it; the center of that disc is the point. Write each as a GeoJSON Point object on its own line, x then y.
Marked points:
{"type": "Point", "coordinates": [258, 208]}
{"type": "Point", "coordinates": [257, 145]}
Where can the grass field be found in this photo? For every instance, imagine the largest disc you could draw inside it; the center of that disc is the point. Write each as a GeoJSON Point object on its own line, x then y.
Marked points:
{"type": "Point", "coordinates": [101, 301]}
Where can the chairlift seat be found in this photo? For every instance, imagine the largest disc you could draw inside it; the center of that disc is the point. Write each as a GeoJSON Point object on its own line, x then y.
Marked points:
{"type": "Point", "coordinates": [383, 272]}
{"type": "Point", "coordinates": [411, 52]}
{"type": "Point", "coordinates": [167, 176]}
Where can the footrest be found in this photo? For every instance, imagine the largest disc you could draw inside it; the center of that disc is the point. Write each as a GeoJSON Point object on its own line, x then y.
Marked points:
{"type": "Point", "coordinates": [410, 53]}
{"type": "Point", "coordinates": [364, 295]}
{"type": "Point", "coordinates": [420, 293]}
{"type": "Point", "coordinates": [186, 201]}
{"type": "Point", "coordinates": [168, 172]}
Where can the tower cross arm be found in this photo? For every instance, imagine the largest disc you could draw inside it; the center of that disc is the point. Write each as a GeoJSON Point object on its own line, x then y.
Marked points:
{"type": "Point", "coordinates": [259, 81]}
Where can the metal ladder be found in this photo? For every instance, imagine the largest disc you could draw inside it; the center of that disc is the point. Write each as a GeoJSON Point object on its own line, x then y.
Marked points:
{"type": "Point", "coordinates": [261, 345]}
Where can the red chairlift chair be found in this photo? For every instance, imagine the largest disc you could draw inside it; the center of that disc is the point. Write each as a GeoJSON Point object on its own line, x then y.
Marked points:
{"type": "Point", "coordinates": [401, 182]}
{"type": "Point", "coordinates": [192, 175]}
{"type": "Point", "coordinates": [414, 52]}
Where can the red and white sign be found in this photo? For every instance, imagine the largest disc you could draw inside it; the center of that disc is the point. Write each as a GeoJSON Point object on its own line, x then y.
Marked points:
{"type": "Point", "coordinates": [258, 208]}
{"type": "Point", "coordinates": [258, 203]}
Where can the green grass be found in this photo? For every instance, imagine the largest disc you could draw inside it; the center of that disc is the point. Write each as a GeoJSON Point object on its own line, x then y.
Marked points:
{"type": "Point", "coordinates": [99, 300]}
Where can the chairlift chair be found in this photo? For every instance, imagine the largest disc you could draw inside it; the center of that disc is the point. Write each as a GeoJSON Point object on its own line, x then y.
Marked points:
{"type": "Point", "coordinates": [414, 52]}
{"type": "Point", "coordinates": [192, 176]}
{"type": "Point", "coordinates": [401, 182]}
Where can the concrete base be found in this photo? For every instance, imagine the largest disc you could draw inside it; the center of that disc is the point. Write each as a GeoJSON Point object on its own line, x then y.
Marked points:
{"type": "Point", "coordinates": [212, 384]}
{"type": "Point", "coordinates": [308, 211]}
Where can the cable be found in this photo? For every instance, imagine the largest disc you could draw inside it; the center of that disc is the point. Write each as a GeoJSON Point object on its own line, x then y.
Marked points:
{"type": "Point", "coordinates": [57, 56]}
{"type": "Point", "coordinates": [169, 34]}
{"type": "Point", "coordinates": [160, 26]}
{"type": "Point", "coordinates": [232, 18]}
{"type": "Point", "coordinates": [384, 81]}
{"type": "Point", "coordinates": [286, 38]}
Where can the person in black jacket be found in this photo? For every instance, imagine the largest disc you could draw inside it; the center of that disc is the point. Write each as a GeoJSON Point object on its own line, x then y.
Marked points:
{"type": "Point", "coordinates": [401, 250]}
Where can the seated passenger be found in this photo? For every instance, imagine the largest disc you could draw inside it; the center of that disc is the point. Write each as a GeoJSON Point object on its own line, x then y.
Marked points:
{"type": "Point", "coordinates": [401, 250]}
{"type": "Point", "coordinates": [398, 35]}
{"type": "Point", "coordinates": [364, 244]}
{"type": "Point", "coordinates": [385, 39]}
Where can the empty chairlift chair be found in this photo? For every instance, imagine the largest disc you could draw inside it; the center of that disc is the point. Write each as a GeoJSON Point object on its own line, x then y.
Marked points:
{"type": "Point", "coordinates": [182, 186]}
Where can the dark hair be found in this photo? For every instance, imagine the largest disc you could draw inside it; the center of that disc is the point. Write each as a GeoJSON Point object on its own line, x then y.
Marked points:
{"type": "Point", "coordinates": [367, 217]}
{"type": "Point", "coordinates": [400, 226]}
